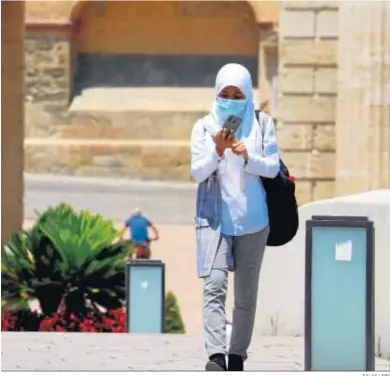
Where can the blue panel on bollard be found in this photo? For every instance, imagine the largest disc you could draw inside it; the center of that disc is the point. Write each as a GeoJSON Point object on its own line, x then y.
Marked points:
{"type": "Point", "coordinates": [338, 299]}
{"type": "Point", "coordinates": [339, 295]}
{"type": "Point", "coordinates": [145, 296]}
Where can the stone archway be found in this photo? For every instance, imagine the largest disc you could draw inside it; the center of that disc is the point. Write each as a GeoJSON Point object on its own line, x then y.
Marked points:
{"type": "Point", "coordinates": [135, 113]}
{"type": "Point", "coordinates": [183, 44]}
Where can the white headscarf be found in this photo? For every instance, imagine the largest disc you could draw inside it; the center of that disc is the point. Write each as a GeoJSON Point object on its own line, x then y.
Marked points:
{"type": "Point", "coordinates": [238, 76]}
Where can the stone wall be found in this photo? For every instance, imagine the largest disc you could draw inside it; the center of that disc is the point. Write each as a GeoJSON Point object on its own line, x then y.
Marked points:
{"type": "Point", "coordinates": [47, 76]}
{"type": "Point", "coordinates": [363, 111]}
{"type": "Point", "coordinates": [306, 110]}
{"type": "Point", "coordinates": [88, 135]}
{"type": "Point", "coordinates": [145, 160]}
{"type": "Point", "coordinates": [307, 94]}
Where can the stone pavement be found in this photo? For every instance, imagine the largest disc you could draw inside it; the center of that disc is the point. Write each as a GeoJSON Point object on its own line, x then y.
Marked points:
{"type": "Point", "coordinates": [122, 352]}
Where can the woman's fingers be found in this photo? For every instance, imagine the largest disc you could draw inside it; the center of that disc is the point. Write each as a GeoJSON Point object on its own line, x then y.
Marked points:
{"type": "Point", "coordinates": [230, 136]}
{"type": "Point", "coordinates": [238, 147]}
{"type": "Point", "coordinates": [235, 150]}
{"type": "Point", "coordinates": [222, 134]}
{"type": "Point", "coordinates": [224, 138]}
{"type": "Point", "coordinates": [217, 138]}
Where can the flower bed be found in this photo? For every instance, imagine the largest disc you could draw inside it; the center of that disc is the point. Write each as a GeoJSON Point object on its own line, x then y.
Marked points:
{"type": "Point", "coordinates": [73, 265]}
{"type": "Point", "coordinates": [93, 322]}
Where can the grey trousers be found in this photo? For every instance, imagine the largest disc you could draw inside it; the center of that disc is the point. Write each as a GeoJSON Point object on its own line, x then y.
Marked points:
{"type": "Point", "coordinates": [248, 252]}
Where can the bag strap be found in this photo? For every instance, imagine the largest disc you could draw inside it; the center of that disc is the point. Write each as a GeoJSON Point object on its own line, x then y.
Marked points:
{"type": "Point", "coordinates": [257, 112]}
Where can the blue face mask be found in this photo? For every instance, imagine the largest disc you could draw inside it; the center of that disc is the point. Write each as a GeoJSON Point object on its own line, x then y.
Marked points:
{"type": "Point", "coordinates": [227, 107]}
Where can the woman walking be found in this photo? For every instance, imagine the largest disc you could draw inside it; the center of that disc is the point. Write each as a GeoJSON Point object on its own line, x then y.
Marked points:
{"type": "Point", "coordinates": [231, 211]}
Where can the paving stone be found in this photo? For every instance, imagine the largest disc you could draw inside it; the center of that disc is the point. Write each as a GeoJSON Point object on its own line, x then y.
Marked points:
{"type": "Point", "coordinates": [122, 352]}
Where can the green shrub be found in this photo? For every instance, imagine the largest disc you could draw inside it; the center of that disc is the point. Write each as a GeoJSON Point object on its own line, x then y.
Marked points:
{"type": "Point", "coordinates": [71, 260]}
{"type": "Point", "coordinates": [66, 258]}
{"type": "Point", "coordinates": [173, 321]}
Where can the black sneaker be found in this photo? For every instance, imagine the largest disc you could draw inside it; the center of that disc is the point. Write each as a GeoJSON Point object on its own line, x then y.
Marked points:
{"type": "Point", "coordinates": [236, 363]}
{"type": "Point", "coordinates": [217, 362]}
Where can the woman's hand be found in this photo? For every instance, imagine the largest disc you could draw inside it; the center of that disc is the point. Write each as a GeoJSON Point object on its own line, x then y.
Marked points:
{"type": "Point", "coordinates": [223, 140]}
{"type": "Point", "coordinates": [239, 148]}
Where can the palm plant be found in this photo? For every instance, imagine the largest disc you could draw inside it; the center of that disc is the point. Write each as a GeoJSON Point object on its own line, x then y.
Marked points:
{"type": "Point", "coordinates": [69, 258]}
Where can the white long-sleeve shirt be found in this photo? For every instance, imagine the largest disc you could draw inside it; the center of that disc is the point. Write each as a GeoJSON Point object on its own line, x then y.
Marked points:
{"type": "Point", "coordinates": [244, 208]}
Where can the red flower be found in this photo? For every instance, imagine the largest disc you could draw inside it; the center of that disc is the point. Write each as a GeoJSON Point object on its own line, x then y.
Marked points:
{"type": "Point", "coordinates": [59, 328]}
{"type": "Point", "coordinates": [23, 320]}
{"type": "Point", "coordinates": [111, 321]}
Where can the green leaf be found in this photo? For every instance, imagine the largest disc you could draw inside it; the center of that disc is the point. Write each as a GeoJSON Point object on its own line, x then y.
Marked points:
{"type": "Point", "coordinates": [106, 299]}
{"type": "Point", "coordinates": [173, 322]}
{"type": "Point", "coordinates": [65, 255]}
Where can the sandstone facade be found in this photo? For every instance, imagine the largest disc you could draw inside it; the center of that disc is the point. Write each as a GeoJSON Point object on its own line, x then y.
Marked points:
{"type": "Point", "coordinates": [363, 105]}
{"type": "Point", "coordinates": [47, 81]}
{"type": "Point", "coordinates": [308, 58]}
{"type": "Point", "coordinates": [307, 52]}
{"type": "Point", "coordinates": [108, 142]}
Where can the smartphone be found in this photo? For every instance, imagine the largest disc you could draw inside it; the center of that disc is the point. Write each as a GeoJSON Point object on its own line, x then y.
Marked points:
{"type": "Point", "coordinates": [232, 123]}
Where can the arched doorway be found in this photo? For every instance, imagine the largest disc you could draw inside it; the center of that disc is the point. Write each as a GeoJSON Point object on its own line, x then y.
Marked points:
{"type": "Point", "coordinates": [161, 44]}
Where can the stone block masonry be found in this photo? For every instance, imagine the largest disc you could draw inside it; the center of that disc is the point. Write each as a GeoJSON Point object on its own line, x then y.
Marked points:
{"type": "Point", "coordinates": [140, 144]}
{"type": "Point", "coordinates": [308, 56]}
{"type": "Point", "coordinates": [154, 143]}
{"type": "Point", "coordinates": [363, 103]}
{"type": "Point", "coordinates": [47, 77]}
{"type": "Point", "coordinates": [144, 160]}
